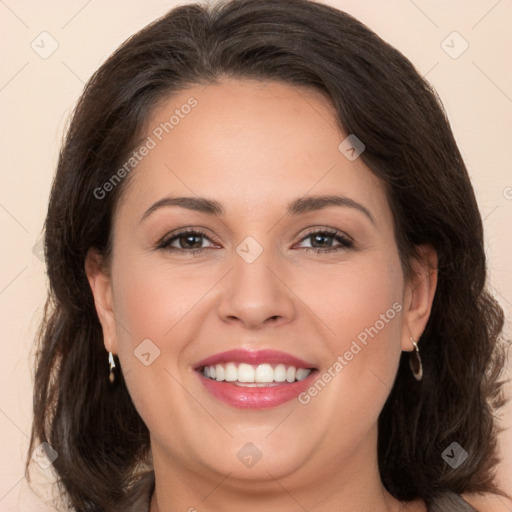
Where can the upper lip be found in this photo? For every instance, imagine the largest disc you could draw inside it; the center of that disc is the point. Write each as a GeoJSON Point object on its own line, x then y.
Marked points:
{"type": "Point", "coordinates": [255, 357]}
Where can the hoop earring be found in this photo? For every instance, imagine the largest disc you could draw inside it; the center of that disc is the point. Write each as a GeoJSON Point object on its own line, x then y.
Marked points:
{"type": "Point", "coordinates": [415, 362]}
{"type": "Point", "coordinates": [111, 376]}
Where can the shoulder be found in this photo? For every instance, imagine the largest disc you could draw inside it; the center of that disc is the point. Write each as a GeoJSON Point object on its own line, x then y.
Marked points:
{"type": "Point", "coordinates": [488, 502]}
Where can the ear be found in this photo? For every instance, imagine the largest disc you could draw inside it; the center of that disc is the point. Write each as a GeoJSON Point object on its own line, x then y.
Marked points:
{"type": "Point", "coordinates": [419, 295]}
{"type": "Point", "coordinates": [101, 287]}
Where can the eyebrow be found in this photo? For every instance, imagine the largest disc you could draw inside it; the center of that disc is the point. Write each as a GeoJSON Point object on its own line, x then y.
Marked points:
{"type": "Point", "coordinates": [298, 206]}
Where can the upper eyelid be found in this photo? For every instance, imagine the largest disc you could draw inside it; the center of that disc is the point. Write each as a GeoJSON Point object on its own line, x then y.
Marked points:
{"type": "Point", "coordinates": [330, 231]}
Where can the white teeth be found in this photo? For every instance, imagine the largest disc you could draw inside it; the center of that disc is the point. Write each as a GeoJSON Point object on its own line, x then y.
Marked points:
{"type": "Point", "coordinates": [231, 373]}
{"type": "Point", "coordinates": [254, 375]}
{"type": "Point", "coordinates": [280, 373]}
{"type": "Point", "coordinates": [220, 373]}
{"type": "Point", "coordinates": [264, 373]}
{"type": "Point", "coordinates": [301, 373]}
{"type": "Point", "coordinates": [245, 373]}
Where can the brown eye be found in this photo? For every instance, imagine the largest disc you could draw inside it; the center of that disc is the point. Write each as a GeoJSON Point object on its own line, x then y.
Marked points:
{"type": "Point", "coordinates": [190, 241]}
{"type": "Point", "coordinates": [187, 241]}
{"type": "Point", "coordinates": [322, 241]}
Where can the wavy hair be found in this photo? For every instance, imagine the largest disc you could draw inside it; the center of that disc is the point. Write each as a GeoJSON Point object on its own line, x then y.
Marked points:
{"type": "Point", "coordinates": [101, 441]}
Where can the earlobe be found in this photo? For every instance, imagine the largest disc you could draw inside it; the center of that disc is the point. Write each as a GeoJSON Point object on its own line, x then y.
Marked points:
{"type": "Point", "coordinates": [419, 295]}
{"type": "Point", "coordinates": [101, 287]}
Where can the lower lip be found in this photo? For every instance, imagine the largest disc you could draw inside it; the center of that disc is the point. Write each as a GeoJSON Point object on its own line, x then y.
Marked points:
{"type": "Point", "coordinates": [245, 397]}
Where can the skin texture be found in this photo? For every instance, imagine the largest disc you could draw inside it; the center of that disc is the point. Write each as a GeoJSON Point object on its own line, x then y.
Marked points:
{"type": "Point", "coordinates": [254, 147]}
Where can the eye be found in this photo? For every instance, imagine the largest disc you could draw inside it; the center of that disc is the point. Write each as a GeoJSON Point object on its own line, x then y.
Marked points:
{"type": "Point", "coordinates": [188, 240]}
{"type": "Point", "coordinates": [191, 241]}
{"type": "Point", "coordinates": [322, 239]}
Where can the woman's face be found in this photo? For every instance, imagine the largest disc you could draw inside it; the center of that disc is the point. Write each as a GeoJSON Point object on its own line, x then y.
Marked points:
{"type": "Point", "coordinates": [322, 283]}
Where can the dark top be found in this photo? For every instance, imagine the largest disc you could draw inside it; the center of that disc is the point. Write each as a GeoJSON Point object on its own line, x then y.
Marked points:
{"type": "Point", "coordinates": [448, 501]}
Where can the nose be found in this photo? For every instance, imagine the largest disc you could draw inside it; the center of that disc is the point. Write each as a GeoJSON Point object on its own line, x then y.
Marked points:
{"type": "Point", "coordinates": [258, 293]}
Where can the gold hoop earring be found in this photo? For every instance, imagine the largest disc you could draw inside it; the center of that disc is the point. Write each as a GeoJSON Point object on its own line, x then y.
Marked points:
{"type": "Point", "coordinates": [415, 362]}
{"type": "Point", "coordinates": [111, 376]}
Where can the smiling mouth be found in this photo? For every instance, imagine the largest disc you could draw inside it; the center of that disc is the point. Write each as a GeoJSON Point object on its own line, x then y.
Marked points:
{"type": "Point", "coordinates": [249, 375]}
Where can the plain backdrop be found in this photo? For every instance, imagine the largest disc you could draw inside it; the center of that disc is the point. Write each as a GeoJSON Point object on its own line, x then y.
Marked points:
{"type": "Point", "coordinates": [49, 50]}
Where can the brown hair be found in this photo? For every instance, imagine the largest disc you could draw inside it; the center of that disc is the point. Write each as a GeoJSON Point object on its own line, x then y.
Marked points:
{"type": "Point", "coordinates": [378, 96]}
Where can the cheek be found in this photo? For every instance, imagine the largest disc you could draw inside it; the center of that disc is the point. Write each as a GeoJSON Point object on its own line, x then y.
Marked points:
{"type": "Point", "coordinates": [362, 306]}
{"type": "Point", "coordinates": [354, 298]}
{"type": "Point", "coordinates": [148, 302]}
{"type": "Point", "coordinates": [152, 298]}
{"type": "Point", "coordinates": [156, 306]}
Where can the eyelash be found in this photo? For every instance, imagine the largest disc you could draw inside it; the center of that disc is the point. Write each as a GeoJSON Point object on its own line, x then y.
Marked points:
{"type": "Point", "coordinates": [346, 242]}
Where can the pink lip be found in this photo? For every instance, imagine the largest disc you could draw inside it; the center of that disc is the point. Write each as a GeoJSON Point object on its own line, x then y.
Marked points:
{"type": "Point", "coordinates": [244, 397]}
{"type": "Point", "coordinates": [239, 355]}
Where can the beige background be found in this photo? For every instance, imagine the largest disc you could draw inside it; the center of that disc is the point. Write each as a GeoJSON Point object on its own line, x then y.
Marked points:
{"type": "Point", "coordinates": [37, 95]}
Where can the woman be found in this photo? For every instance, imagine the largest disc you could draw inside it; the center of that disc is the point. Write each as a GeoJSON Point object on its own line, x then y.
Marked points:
{"type": "Point", "coordinates": [267, 278]}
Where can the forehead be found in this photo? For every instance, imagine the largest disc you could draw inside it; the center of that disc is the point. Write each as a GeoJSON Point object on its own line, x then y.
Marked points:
{"type": "Point", "coordinates": [248, 144]}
